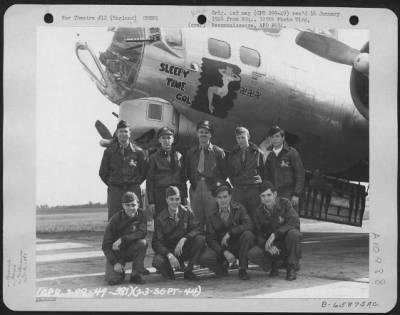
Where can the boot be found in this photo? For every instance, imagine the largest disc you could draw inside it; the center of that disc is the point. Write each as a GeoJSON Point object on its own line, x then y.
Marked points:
{"type": "Point", "coordinates": [274, 269]}
{"type": "Point", "coordinates": [291, 273]}
{"type": "Point", "coordinates": [243, 274]}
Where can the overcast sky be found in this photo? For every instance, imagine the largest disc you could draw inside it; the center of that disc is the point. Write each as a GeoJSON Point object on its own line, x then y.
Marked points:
{"type": "Point", "coordinates": [68, 104]}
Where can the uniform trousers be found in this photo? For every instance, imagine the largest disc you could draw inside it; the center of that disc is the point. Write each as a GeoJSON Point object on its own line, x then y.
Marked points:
{"type": "Point", "coordinates": [134, 253]}
{"type": "Point", "coordinates": [201, 201]}
{"type": "Point", "coordinates": [191, 252]}
{"type": "Point", "coordinates": [238, 246]}
{"type": "Point", "coordinates": [248, 196]}
{"type": "Point", "coordinates": [114, 196]}
{"type": "Point", "coordinates": [290, 251]}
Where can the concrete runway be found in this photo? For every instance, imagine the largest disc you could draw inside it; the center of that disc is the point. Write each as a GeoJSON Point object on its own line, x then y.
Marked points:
{"type": "Point", "coordinates": [334, 265]}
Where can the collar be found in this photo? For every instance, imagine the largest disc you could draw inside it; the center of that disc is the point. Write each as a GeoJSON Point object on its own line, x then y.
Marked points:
{"type": "Point", "coordinates": [229, 210]}
{"type": "Point", "coordinates": [165, 213]}
{"type": "Point", "coordinates": [126, 217]}
{"type": "Point", "coordinates": [118, 146]}
{"type": "Point", "coordinates": [162, 152]}
{"type": "Point", "coordinates": [277, 151]}
{"type": "Point", "coordinates": [252, 147]}
{"type": "Point", "coordinates": [285, 147]}
{"type": "Point", "coordinates": [208, 147]}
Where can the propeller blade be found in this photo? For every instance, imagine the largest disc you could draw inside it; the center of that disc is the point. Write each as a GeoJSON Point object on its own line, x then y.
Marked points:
{"type": "Point", "coordinates": [328, 48]}
{"type": "Point", "coordinates": [102, 130]}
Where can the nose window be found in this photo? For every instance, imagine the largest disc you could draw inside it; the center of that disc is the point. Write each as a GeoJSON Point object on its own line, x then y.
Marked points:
{"type": "Point", "coordinates": [173, 37]}
{"type": "Point", "coordinates": [154, 112]}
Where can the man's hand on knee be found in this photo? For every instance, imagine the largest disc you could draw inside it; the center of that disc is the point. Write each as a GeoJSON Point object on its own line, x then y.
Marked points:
{"type": "Point", "coordinates": [119, 268]}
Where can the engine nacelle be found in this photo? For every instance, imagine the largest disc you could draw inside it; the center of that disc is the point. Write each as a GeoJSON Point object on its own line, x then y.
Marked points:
{"type": "Point", "coordinates": [359, 87]}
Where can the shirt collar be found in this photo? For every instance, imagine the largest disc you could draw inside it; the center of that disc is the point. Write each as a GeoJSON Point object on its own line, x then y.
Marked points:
{"type": "Point", "coordinates": [277, 151]}
{"type": "Point", "coordinates": [164, 152]}
{"type": "Point", "coordinates": [207, 147]}
{"type": "Point", "coordinates": [129, 146]}
{"type": "Point", "coordinates": [174, 217]}
{"type": "Point", "coordinates": [229, 210]}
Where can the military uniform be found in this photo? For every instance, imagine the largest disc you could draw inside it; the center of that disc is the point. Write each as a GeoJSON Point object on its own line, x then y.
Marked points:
{"type": "Point", "coordinates": [165, 169]}
{"type": "Point", "coordinates": [239, 226]}
{"type": "Point", "coordinates": [122, 169]}
{"type": "Point", "coordinates": [285, 171]}
{"type": "Point", "coordinates": [132, 232]}
{"type": "Point", "coordinates": [245, 170]}
{"type": "Point", "coordinates": [169, 231]}
{"type": "Point", "coordinates": [284, 222]}
{"type": "Point", "coordinates": [203, 177]}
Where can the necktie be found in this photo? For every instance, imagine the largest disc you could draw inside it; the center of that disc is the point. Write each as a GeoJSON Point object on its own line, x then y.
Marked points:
{"type": "Point", "coordinates": [243, 157]}
{"type": "Point", "coordinates": [225, 215]}
{"type": "Point", "coordinates": [200, 167]}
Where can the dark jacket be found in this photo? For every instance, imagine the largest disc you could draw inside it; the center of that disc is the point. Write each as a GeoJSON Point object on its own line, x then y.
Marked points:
{"type": "Point", "coordinates": [168, 232]}
{"type": "Point", "coordinates": [126, 228]}
{"type": "Point", "coordinates": [251, 171]}
{"type": "Point", "coordinates": [281, 219]}
{"type": "Point", "coordinates": [215, 168]}
{"type": "Point", "coordinates": [285, 171]}
{"type": "Point", "coordinates": [128, 168]}
{"type": "Point", "coordinates": [238, 222]}
{"type": "Point", "coordinates": [162, 173]}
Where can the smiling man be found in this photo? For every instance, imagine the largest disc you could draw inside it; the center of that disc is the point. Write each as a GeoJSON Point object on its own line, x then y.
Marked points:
{"type": "Point", "coordinates": [229, 233]}
{"type": "Point", "coordinates": [166, 168]}
{"type": "Point", "coordinates": [245, 171]}
{"type": "Point", "coordinates": [205, 165]}
{"type": "Point", "coordinates": [278, 233]}
{"type": "Point", "coordinates": [125, 241]}
{"type": "Point", "coordinates": [176, 238]}
{"type": "Point", "coordinates": [123, 168]}
{"type": "Point", "coordinates": [284, 167]}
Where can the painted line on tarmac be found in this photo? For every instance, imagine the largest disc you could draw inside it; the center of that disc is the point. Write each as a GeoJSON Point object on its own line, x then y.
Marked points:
{"type": "Point", "coordinates": [39, 240]}
{"type": "Point", "coordinates": [201, 271]}
{"type": "Point", "coordinates": [68, 256]}
{"type": "Point", "coordinates": [335, 237]}
{"type": "Point", "coordinates": [55, 246]}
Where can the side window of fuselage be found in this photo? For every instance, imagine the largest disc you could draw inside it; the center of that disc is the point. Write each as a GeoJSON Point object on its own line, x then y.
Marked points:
{"type": "Point", "coordinates": [155, 112]}
{"type": "Point", "coordinates": [250, 56]}
{"type": "Point", "coordinates": [219, 48]}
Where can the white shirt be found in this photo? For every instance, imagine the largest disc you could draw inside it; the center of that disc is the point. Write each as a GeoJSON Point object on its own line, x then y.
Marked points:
{"type": "Point", "coordinates": [277, 151]}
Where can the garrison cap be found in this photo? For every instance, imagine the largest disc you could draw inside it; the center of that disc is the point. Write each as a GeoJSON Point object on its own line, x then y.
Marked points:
{"type": "Point", "coordinates": [172, 191]}
{"type": "Point", "coordinates": [165, 131]}
{"type": "Point", "coordinates": [265, 185]}
{"type": "Point", "coordinates": [275, 129]}
{"type": "Point", "coordinates": [129, 197]}
{"type": "Point", "coordinates": [240, 130]}
{"type": "Point", "coordinates": [122, 124]}
{"type": "Point", "coordinates": [206, 124]}
{"type": "Point", "coordinates": [220, 186]}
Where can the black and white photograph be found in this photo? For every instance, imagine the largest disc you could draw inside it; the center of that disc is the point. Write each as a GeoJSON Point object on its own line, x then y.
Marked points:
{"type": "Point", "coordinates": [217, 163]}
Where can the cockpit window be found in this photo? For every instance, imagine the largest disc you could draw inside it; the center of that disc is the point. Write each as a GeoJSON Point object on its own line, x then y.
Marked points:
{"type": "Point", "coordinates": [173, 37]}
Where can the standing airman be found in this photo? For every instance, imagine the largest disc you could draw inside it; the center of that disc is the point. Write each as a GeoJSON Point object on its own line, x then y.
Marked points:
{"type": "Point", "coordinates": [205, 164]}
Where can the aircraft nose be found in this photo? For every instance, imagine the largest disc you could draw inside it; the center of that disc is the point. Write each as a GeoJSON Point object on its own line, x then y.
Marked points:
{"type": "Point", "coordinates": [123, 57]}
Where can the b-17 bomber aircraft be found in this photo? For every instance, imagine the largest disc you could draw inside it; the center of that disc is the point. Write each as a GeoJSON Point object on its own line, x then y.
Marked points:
{"type": "Point", "coordinates": [310, 83]}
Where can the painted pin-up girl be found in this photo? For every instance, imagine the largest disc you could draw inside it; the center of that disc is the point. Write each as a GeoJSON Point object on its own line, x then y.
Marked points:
{"type": "Point", "coordinates": [228, 76]}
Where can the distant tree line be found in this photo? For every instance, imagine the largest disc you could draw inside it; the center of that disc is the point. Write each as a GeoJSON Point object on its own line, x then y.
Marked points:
{"type": "Point", "coordinates": [87, 205]}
